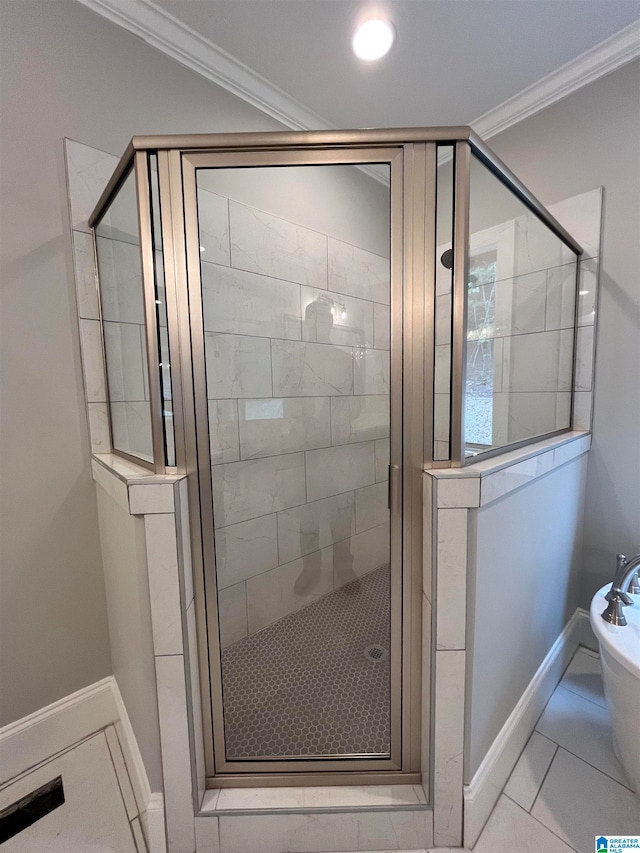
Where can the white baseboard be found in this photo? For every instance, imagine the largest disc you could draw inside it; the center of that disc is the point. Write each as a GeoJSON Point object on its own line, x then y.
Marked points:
{"type": "Point", "coordinates": [481, 795]}
{"type": "Point", "coordinates": [152, 819]}
{"type": "Point", "coordinates": [40, 736]}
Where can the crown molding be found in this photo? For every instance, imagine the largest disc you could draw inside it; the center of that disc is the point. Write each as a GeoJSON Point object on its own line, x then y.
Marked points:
{"type": "Point", "coordinates": [174, 38]}
{"type": "Point", "coordinates": [182, 43]}
{"type": "Point", "coordinates": [608, 56]}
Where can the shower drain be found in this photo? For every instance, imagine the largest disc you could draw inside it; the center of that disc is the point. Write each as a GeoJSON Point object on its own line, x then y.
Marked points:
{"type": "Point", "coordinates": [376, 653]}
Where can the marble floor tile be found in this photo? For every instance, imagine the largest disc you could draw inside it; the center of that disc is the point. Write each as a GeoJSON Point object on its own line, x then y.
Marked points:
{"type": "Point", "coordinates": [510, 829]}
{"type": "Point", "coordinates": [583, 728]}
{"type": "Point", "coordinates": [579, 803]}
{"type": "Point", "coordinates": [584, 676]}
{"type": "Point", "coordinates": [528, 774]}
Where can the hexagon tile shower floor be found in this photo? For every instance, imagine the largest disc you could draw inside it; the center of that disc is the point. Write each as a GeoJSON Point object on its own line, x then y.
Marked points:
{"type": "Point", "coordinates": [315, 683]}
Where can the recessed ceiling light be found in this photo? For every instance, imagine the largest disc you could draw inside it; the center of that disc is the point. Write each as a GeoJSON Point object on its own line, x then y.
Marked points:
{"type": "Point", "coordinates": [373, 39]}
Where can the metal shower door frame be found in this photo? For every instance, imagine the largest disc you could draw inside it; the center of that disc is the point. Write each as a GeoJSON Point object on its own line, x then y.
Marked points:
{"type": "Point", "coordinates": [409, 204]}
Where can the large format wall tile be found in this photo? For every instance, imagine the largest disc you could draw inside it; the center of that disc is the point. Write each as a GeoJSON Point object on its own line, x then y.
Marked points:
{"type": "Point", "coordinates": [334, 318]}
{"type": "Point", "coordinates": [381, 326]}
{"type": "Point", "coordinates": [246, 549]}
{"type": "Point", "coordinates": [120, 273]}
{"type": "Point", "coordinates": [536, 247]}
{"type": "Point", "coordinates": [232, 614]}
{"type": "Point", "coordinates": [358, 273]}
{"type": "Point", "coordinates": [382, 460]}
{"type": "Point", "coordinates": [308, 369]}
{"type": "Point", "coordinates": [361, 554]}
{"type": "Point", "coordinates": [213, 222]}
{"type": "Point", "coordinates": [283, 425]}
{"type": "Point", "coordinates": [274, 594]}
{"type": "Point", "coordinates": [126, 367]}
{"type": "Point", "coordinates": [243, 303]}
{"type": "Point", "coordinates": [131, 427]}
{"type": "Point", "coordinates": [339, 469]}
{"type": "Point", "coordinates": [243, 490]}
{"type": "Point", "coordinates": [92, 361]}
{"type": "Point", "coordinates": [373, 830]}
{"type": "Point", "coordinates": [84, 265]}
{"type": "Point", "coordinates": [538, 362]}
{"type": "Point", "coordinates": [588, 291]}
{"type": "Point", "coordinates": [312, 526]}
{"type": "Point", "coordinates": [359, 418]}
{"type": "Point", "coordinates": [561, 297]}
{"type": "Point", "coordinates": [584, 358]}
{"type": "Point", "coordinates": [223, 431]}
{"type": "Point", "coordinates": [371, 372]}
{"type": "Point", "coordinates": [237, 366]}
{"type": "Point", "coordinates": [524, 415]}
{"type": "Point", "coordinates": [372, 506]}
{"type": "Point", "coordinates": [520, 304]}
{"type": "Point", "coordinates": [271, 246]}
{"type": "Point", "coordinates": [88, 172]}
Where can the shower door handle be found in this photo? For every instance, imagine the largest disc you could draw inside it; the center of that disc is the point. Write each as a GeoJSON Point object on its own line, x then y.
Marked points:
{"type": "Point", "coordinates": [393, 486]}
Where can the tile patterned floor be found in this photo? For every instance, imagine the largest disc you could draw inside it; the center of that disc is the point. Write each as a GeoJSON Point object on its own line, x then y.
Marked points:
{"type": "Point", "coordinates": [567, 787]}
{"type": "Point", "coordinates": [304, 686]}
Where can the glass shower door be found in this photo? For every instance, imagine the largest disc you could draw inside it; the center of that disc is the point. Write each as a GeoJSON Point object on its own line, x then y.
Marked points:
{"type": "Point", "coordinates": [296, 301]}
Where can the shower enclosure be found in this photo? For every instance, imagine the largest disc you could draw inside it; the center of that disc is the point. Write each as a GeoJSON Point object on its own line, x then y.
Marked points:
{"type": "Point", "coordinates": [301, 323]}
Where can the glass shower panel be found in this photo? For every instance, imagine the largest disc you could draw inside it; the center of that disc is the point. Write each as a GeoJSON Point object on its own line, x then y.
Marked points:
{"type": "Point", "coordinates": [295, 276]}
{"type": "Point", "coordinates": [123, 323]}
{"type": "Point", "coordinates": [521, 298]}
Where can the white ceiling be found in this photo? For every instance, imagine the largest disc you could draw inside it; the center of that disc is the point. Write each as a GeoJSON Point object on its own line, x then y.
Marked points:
{"type": "Point", "coordinates": [453, 60]}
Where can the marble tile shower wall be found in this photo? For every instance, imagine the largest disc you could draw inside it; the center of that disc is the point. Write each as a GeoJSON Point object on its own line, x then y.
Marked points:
{"type": "Point", "coordinates": [125, 344]}
{"type": "Point", "coordinates": [531, 333]}
{"type": "Point", "coordinates": [296, 327]}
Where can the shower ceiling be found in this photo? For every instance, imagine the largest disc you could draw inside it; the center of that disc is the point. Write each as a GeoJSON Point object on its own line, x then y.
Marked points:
{"type": "Point", "coordinates": [452, 61]}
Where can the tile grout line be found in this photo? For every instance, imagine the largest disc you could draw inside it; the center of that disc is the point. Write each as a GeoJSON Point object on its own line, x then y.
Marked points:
{"type": "Point", "coordinates": [582, 696]}
{"type": "Point", "coordinates": [540, 823]}
{"type": "Point", "coordinates": [593, 767]}
{"type": "Point", "coordinates": [553, 758]}
{"type": "Point", "coordinates": [122, 799]}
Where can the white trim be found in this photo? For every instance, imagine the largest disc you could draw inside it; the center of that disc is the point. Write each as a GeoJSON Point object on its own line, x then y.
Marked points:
{"type": "Point", "coordinates": [481, 795]}
{"type": "Point", "coordinates": [152, 819]}
{"type": "Point", "coordinates": [608, 56]}
{"type": "Point", "coordinates": [179, 41]}
{"type": "Point", "coordinates": [40, 736]}
{"type": "Point", "coordinates": [37, 737]}
{"type": "Point", "coordinates": [131, 752]}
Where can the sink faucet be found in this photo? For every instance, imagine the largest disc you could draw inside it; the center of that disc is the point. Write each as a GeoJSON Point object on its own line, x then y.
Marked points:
{"type": "Point", "coordinates": [625, 581]}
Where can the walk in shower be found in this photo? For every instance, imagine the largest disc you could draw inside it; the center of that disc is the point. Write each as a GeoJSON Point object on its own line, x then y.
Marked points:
{"type": "Point", "coordinates": [301, 323]}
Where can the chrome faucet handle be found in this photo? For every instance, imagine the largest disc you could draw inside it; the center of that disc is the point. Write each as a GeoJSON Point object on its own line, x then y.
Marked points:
{"type": "Point", "coordinates": [621, 562]}
{"type": "Point", "coordinates": [619, 595]}
{"type": "Point", "coordinates": [613, 614]}
{"type": "Point", "coordinates": [634, 586]}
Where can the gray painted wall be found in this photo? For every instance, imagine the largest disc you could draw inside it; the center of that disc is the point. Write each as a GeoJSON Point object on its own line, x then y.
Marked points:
{"type": "Point", "coordinates": [65, 72]}
{"type": "Point", "coordinates": [589, 139]}
{"type": "Point", "coordinates": [523, 589]}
